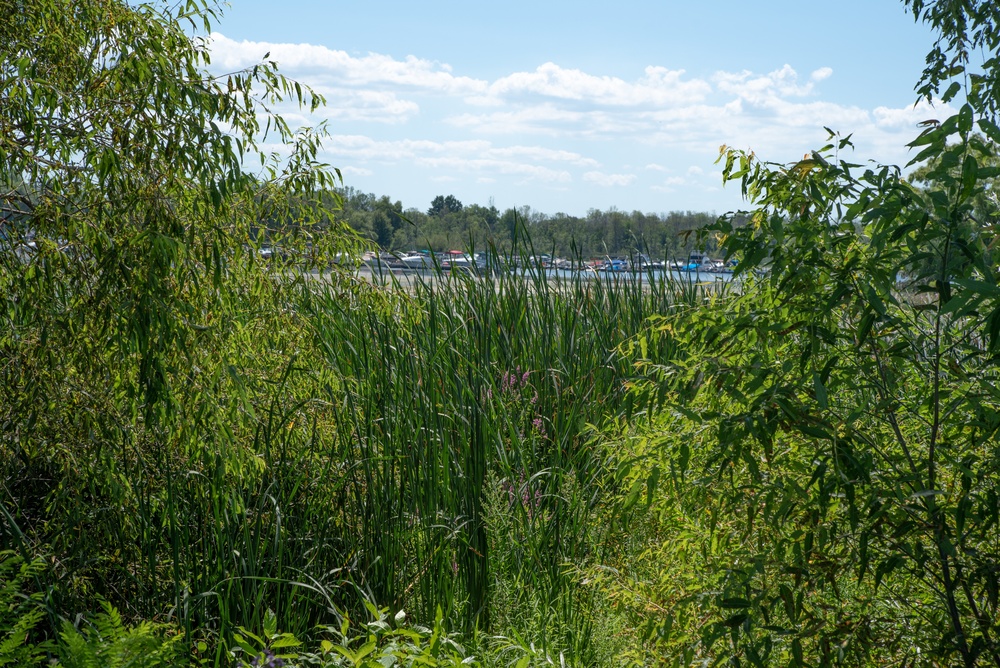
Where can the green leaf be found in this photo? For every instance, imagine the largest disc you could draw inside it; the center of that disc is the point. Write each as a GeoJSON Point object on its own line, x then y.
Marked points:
{"type": "Point", "coordinates": [243, 644]}
{"type": "Point", "coordinates": [285, 640]}
{"type": "Point", "coordinates": [684, 456]}
{"type": "Point", "coordinates": [820, 390]}
{"type": "Point", "coordinates": [993, 330]}
{"type": "Point", "coordinates": [651, 481]}
{"type": "Point", "coordinates": [965, 119]}
{"type": "Point", "coordinates": [735, 620]}
{"type": "Point", "coordinates": [633, 494]}
{"type": "Point", "coordinates": [348, 654]}
{"type": "Point", "coordinates": [730, 603]}
{"type": "Point", "coordinates": [797, 653]}
{"type": "Point", "coordinates": [970, 174]}
{"type": "Point", "coordinates": [365, 650]}
{"type": "Point", "coordinates": [951, 92]}
{"type": "Point", "coordinates": [270, 619]}
{"type": "Point", "coordinates": [990, 129]}
{"type": "Point", "coordinates": [814, 432]}
{"type": "Point", "coordinates": [978, 288]}
{"type": "Point", "coordinates": [927, 136]}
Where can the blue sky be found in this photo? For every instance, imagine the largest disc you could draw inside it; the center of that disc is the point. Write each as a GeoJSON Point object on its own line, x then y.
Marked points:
{"type": "Point", "coordinates": [566, 106]}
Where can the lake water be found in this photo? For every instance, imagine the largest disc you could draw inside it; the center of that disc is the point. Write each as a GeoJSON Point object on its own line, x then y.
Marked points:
{"type": "Point", "coordinates": [561, 275]}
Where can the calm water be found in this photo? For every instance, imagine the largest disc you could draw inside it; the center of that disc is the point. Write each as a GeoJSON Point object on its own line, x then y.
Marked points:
{"type": "Point", "coordinates": [559, 275]}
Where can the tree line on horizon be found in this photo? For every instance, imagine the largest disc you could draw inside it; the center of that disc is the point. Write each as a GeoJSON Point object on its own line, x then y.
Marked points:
{"type": "Point", "coordinates": [450, 224]}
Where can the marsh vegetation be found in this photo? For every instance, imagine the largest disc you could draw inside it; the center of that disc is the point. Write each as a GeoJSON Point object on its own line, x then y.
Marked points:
{"type": "Point", "coordinates": [211, 459]}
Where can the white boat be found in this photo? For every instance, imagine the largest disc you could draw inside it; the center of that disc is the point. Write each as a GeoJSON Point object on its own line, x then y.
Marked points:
{"type": "Point", "coordinates": [457, 260]}
{"type": "Point", "coordinates": [416, 261]}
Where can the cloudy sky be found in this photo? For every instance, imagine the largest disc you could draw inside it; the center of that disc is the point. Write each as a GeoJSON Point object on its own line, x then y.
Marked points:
{"type": "Point", "coordinates": [566, 106]}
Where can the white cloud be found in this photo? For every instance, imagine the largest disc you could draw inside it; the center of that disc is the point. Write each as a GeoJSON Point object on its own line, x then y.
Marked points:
{"type": "Point", "coordinates": [348, 105]}
{"type": "Point", "coordinates": [659, 86]}
{"type": "Point", "coordinates": [602, 179]}
{"type": "Point", "coordinates": [764, 89]}
{"type": "Point", "coordinates": [909, 117]}
{"type": "Point", "coordinates": [506, 167]}
{"type": "Point", "coordinates": [327, 65]}
{"type": "Point", "coordinates": [821, 74]}
{"type": "Point", "coordinates": [459, 157]}
{"type": "Point", "coordinates": [564, 126]}
{"type": "Point", "coordinates": [544, 154]}
{"type": "Point", "coordinates": [670, 184]}
{"type": "Point", "coordinates": [544, 117]}
{"type": "Point", "coordinates": [408, 149]}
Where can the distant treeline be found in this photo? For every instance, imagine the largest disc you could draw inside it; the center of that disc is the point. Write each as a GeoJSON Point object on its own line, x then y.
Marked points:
{"type": "Point", "coordinates": [450, 224]}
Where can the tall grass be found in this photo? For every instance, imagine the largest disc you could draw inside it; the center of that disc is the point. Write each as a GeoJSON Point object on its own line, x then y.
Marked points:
{"type": "Point", "coordinates": [424, 446]}
{"type": "Point", "coordinates": [468, 412]}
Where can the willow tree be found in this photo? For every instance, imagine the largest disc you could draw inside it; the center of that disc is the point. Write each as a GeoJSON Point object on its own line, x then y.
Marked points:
{"type": "Point", "coordinates": [133, 183]}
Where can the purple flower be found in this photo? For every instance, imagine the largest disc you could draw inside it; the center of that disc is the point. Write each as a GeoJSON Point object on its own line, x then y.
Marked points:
{"type": "Point", "coordinates": [512, 381]}
{"type": "Point", "coordinates": [266, 660]}
{"type": "Point", "coordinates": [530, 500]}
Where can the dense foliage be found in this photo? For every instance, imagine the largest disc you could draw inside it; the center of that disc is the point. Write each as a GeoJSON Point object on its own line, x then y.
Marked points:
{"type": "Point", "coordinates": [206, 458]}
{"type": "Point", "coordinates": [833, 471]}
{"type": "Point", "coordinates": [196, 438]}
{"type": "Point", "coordinates": [137, 325]}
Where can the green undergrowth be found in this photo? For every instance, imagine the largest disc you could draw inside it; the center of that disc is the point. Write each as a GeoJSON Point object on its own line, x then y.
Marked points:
{"type": "Point", "coordinates": [324, 444]}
